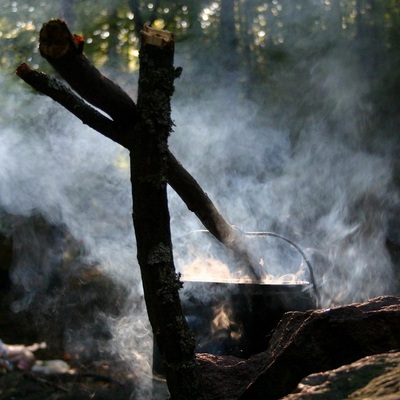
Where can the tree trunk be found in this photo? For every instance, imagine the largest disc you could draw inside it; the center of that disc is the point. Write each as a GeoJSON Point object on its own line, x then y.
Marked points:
{"type": "Point", "coordinates": [138, 15]}
{"type": "Point", "coordinates": [228, 39]}
{"type": "Point", "coordinates": [145, 135]}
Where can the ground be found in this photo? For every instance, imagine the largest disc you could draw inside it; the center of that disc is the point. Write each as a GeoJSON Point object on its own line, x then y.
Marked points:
{"type": "Point", "coordinates": [19, 385]}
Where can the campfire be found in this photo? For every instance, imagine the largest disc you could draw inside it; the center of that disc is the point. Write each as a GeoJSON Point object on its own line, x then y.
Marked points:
{"type": "Point", "coordinates": [231, 303]}
{"type": "Point", "coordinates": [230, 313]}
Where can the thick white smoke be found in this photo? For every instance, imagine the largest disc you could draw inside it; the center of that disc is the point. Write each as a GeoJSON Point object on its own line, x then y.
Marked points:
{"type": "Point", "coordinates": [330, 190]}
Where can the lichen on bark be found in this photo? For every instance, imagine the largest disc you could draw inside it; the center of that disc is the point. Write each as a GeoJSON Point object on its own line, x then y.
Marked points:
{"type": "Point", "coordinates": [151, 219]}
{"type": "Point", "coordinates": [160, 253]}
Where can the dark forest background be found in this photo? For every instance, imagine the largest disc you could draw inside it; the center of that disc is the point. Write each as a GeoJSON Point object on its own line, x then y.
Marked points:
{"type": "Point", "coordinates": [287, 113]}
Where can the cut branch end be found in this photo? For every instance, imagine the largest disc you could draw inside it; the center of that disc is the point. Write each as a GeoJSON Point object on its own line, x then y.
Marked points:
{"type": "Point", "coordinates": [56, 40]}
{"type": "Point", "coordinates": [23, 70]}
{"type": "Point", "coordinates": [156, 37]}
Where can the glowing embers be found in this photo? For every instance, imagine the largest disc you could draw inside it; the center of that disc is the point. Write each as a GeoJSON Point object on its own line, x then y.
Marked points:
{"type": "Point", "coordinates": [222, 320]}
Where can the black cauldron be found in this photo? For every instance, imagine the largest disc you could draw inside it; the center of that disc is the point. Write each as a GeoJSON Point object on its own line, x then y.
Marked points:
{"type": "Point", "coordinates": [232, 317]}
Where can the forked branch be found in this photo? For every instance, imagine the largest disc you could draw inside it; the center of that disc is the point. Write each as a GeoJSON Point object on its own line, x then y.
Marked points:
{"type": "Point", "coordinates": [64, 52]}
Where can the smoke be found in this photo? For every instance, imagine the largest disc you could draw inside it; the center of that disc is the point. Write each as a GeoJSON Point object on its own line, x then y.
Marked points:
{"type": "Point", "coordinates": [57, 167]}
{"type": "Point", "coordinates": [301, 165]}
{"type": "Point", "coordinates": [66, 202]}
{"type": "Point", "coordinates": [310, 169]}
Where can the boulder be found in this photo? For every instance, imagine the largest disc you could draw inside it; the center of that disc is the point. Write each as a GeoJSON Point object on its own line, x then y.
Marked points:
{"type": "Point", "coordinates": [372, 377]}
{"type": "Point", "coordinates": [315, 341]}
{"type": "Point", "coordinates": [302, 344]}
{"type": "Point", "coordinates": [225, 377]}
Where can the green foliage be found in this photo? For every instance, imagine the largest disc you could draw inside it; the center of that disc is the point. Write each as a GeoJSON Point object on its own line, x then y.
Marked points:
{"type": "Point", "coordinates": [20, 23]}
{"type": "Point", "coordinates": [278, 45]}
{"type": "Point", "coordinates": [263, 27]}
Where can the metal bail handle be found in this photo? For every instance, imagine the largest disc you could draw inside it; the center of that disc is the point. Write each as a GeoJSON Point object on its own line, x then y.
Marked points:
{"type": "Point", "coordinates": [299, 249]}
{"type": "Point", "coordinates": [287, 240]}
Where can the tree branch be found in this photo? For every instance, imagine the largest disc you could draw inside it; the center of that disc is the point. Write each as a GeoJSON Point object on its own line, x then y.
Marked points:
{"type": "Point", "coordinates": [59, 92]}
{"type": "Point", "coordinates": [64, 52]}
{"type": "Point", "coordinates": [199, 203]}
{"type": "Point", "coordinates": [184, 184]}
{"type": "Point", "coordinates": [98, 90]}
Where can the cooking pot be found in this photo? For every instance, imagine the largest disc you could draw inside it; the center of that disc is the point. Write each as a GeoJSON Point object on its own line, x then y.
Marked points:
{"type": "Point", "coordinates": [237, 317]}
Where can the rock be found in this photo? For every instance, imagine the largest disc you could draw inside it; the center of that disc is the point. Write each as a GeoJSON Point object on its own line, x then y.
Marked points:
{"type": "Point", "coordinates": [305, 343]}
{"type": "Point", "coordinates": [50, 291]}
{"type": "Point", "coordinates": [321, 340]}
{"type": "Point", "coordinates": [372, 377]}
{"type": "Point", "coordinates": [224, 377]}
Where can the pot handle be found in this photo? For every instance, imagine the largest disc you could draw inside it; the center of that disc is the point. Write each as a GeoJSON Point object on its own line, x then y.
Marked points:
{"type": "Point", "coordinates": [299, 249]}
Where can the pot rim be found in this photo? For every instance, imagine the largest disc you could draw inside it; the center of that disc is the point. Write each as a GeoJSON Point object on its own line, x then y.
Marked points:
{"type": "Point", "coordinates": [243, 282]}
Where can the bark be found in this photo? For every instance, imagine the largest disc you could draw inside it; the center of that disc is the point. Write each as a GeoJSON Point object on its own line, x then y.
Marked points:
{"type": "Point", "coordinates": [65, 53]}
{"type": "Point", "coordinates": [151, 216]}
{"type": "Point", "coordinates": [62, 94]}
{"type": "Point", "coordinates": [145, 127]}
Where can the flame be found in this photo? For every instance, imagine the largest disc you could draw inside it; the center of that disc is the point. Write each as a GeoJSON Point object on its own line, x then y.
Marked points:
{"type": "Point", "coordinates": [223, 322]}
{"type": "Point", "coordinates": [221, 319]}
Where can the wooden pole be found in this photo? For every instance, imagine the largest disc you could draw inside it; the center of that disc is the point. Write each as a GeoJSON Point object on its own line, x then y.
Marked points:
{"type": "Point", "coordinates": [149, 154]}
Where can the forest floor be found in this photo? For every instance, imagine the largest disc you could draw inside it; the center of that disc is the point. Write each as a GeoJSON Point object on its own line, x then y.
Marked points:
{"type": "Point", "coordinates": [19, 385]}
